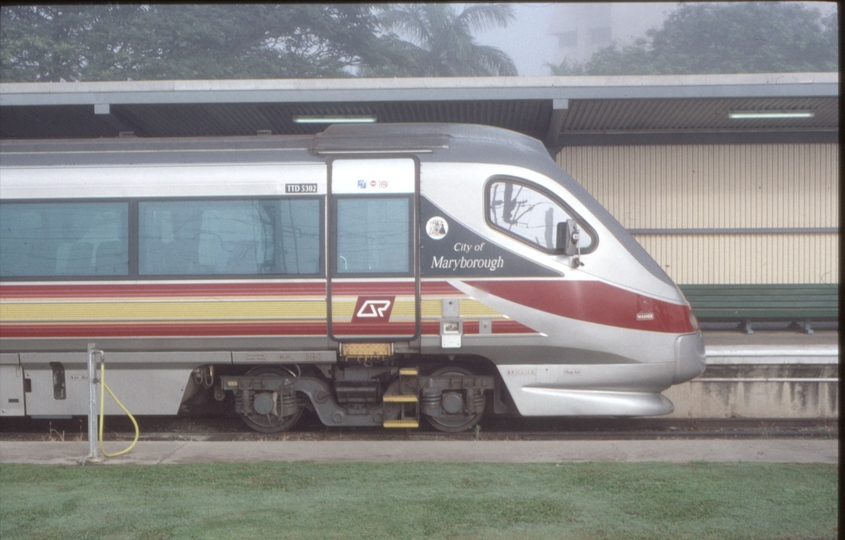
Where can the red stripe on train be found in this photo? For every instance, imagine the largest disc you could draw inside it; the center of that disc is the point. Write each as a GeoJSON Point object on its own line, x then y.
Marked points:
{"type": "Point", "coordinates": [435, 288]}
{"type": "Point", "coordinates": [275, 288]}
{"type": "Point", "coordinates": [356, 288]}
{"type": "Point", "coordinates": [595, 302]}
{"type": "Point", "coordinates": [142, 290]}
{"type": "Point", "coordinates": [590, 301]}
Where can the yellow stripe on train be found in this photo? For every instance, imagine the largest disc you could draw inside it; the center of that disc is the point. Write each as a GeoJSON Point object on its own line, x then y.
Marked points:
{"type": "Point", "coordinates": [144, 310]}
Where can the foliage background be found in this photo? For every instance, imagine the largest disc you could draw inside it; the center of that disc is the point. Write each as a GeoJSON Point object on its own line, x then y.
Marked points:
{"type": "Point", "coordinates": [102, 42]}
{"type": "Point", "coordinates": [249, 41]}
{"type": "Point", "coordinates": [737, 37]}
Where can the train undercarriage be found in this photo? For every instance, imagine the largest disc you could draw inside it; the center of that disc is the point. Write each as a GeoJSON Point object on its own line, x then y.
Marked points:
{"type": "Point", "coordinates": [450, 396]}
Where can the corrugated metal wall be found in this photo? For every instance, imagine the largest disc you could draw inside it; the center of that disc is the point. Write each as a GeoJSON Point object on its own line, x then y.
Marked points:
{"type": "Point", "coordinates": [770, 186]}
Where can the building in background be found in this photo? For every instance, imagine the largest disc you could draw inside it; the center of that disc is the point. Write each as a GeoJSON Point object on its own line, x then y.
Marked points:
{"type": "Point", "coordinates": [584, 29]}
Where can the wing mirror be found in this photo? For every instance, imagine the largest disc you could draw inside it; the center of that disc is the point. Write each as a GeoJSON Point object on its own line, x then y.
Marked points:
{"type": "Point", "coordinates": [568, 234]}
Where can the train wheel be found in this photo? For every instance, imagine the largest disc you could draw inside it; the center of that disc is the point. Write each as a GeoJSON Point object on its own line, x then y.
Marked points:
{"type": "Point", "coordinates": [270, 423]}
{"type": "Point", "coordinates": [454, 414]}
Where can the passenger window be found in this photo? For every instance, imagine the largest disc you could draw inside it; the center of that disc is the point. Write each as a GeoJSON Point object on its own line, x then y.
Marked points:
{"type": "Point", "coordinates": [530, 213]}
{"type": "Point", "coordinates": [64, 239]}
{"type": "Point", "coordinates": [373, 235]}
{"type": "Point", "coordinates": [236, 237]}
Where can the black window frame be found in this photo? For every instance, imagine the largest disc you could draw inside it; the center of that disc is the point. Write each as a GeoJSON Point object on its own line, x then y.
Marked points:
{"type": "Point", "coordinates": [133, 240]}
{"type": "Point", "coordinates": [201, 276]}
{"type": "Point", "coordinates": [131, 216]}
{"type": "Point", "coordinates": [333, 265]}
{"type": "Point", "coordinates": [545, 192]}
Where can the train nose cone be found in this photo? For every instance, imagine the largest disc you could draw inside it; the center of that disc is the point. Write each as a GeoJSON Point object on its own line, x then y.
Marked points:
{"type": "Point", "coordinates": [690, 359]}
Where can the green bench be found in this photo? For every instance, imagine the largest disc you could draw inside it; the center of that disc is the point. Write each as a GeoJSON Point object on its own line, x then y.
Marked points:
{"type": "Point", "coordinates": [744, 304]}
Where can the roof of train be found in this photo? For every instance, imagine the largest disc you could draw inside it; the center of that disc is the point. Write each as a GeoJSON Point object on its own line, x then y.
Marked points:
{"type": "Point", "coordinates": [431, 142]}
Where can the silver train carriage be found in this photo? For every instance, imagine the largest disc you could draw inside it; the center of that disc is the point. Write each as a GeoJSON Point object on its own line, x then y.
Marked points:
{"type": "Point", "coordinates": [375, 275]}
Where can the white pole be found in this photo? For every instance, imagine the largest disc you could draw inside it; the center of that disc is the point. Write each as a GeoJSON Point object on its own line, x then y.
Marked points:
{"type": "Point", "coordinates": [93, 454]}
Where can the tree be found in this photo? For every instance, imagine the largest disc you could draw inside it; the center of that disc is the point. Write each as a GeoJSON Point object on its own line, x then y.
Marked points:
{"type": "Point", "coordinates": [758, 37]}
{"type": "Point", "coordinates": [216, 41]}
{"type": "Point", "coordinates": [441, 42]}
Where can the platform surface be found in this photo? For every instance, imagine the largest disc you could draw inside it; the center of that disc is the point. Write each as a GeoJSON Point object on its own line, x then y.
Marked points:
{"type": "Point", "coordinates": [766, 338]}
{"type": "Point", "coordinates": [673, 451]}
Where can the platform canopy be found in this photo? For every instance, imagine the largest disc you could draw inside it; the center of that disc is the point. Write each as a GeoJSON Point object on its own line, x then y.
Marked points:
{"type": "Point", "coordinates": [560, 111]}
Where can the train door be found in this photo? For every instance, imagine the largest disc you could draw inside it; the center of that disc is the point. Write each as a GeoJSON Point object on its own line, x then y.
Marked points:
{"type": "Point", "coordinates": [373, 275]}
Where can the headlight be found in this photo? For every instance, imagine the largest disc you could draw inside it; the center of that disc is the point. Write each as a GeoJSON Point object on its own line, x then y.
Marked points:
{"type": "Point", "coordinates": [693, 320]}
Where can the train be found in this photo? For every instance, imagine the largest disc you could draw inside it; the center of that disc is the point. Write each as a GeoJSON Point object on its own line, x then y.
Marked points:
{"type": "Point", "coordinates": [373, 275]}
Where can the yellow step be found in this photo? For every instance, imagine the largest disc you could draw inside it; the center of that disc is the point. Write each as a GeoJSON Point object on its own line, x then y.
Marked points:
{"type": "Point", "coordinates": [401, 399]}
{"type": "Point", "coordinates": [401, 424]}
{"type": "Point", "coordinates": [409, 371]}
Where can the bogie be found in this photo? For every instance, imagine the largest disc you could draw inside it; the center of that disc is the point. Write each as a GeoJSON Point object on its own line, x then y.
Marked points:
{"type": "Point", "coordinates": [454, 408]}
{"type": "Point", "coordinates": [274, 407]}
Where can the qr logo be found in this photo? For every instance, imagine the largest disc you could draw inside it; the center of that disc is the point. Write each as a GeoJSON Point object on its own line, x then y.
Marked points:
{"type": "Point", "coordinates": [373, 309]}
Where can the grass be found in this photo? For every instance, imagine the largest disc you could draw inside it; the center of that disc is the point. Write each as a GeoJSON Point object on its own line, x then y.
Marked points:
{"type": "Point", "coordinates": [421, 500]}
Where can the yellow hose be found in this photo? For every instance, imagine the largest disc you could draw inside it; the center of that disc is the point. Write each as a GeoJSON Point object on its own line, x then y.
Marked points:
{"type": "Point", "coordinates": [103, 388]}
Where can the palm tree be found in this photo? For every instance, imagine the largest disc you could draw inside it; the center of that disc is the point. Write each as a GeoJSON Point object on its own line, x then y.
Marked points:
{"type": "Point", "coordinates": [440, 41]}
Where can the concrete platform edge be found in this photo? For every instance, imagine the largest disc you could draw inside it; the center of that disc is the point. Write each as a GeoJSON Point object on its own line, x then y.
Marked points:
{"type": "Point", "coordinates": [670, 451]}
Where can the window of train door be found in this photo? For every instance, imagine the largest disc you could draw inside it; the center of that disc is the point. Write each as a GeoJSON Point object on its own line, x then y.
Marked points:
{"type": "Point", "coordinates": [373, 282]}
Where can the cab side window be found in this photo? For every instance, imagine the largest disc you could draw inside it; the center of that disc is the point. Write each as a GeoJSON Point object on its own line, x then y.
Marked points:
{"type": "Point", "coordinates": [531, 214]}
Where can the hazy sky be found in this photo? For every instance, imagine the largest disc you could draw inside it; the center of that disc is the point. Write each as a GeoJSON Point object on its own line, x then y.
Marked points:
{"type": "Point", "coordinates": [527, 40]}
{"type": "Point", "coordinates": [529, 44]}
